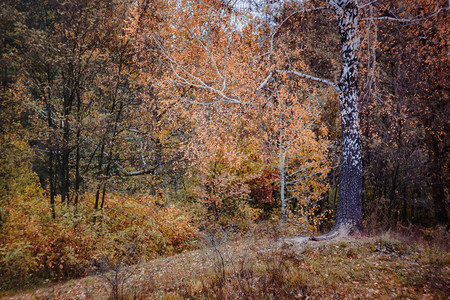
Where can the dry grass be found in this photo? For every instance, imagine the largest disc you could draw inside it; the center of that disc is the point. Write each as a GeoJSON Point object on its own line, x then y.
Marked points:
{"type": "Point", "coordinates": [383, 267]}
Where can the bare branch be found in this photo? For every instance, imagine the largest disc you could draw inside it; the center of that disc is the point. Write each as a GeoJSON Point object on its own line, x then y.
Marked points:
{"type": "Point", "coordinates": [326, 81]}
{"type": "Point", "coordinates": [195, 81]}
{"type": "Point", "coordinates": [140, 172]}
{"type": "Point", "coordinates": [367, 4]}
{"type": "Point", "coordinates": [413, 20]}
{"type": "Point", "coordinates": [198, 102]}
{"type": "Point", "coordinates": [265, 81]}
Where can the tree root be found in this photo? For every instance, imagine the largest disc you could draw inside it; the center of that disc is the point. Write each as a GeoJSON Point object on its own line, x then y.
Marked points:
{"type": "Point", "coordinates": [344, 230]}
{"type": "Point", "coordinates": [329, 236]}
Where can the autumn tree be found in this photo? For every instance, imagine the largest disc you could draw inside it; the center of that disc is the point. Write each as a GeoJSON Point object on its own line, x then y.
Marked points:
{"type": "Point", "coordinates": [57, 63]}
{"type": "Point", "coordinates": [349, 210]}
{"type": "Point", "coordinates": [213, 78]}
{"type": "Point", "coordinates": [79, 80]}
{"type": "Point", "coordinates": [16, 177]}
{"type": "Point", "coordinates": [349, 206]}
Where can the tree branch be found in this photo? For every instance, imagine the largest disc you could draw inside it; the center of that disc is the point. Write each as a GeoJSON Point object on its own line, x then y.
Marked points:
{"type": "Point", "coordinates": [413, 20]}
{"type": "Point", "coordinates": [140, 172]}
{"type": "Point", "coordinates": [330, 83]}
{"type": "Point", "coordinates": [195, 81]}
{"type": "Point", "coordinates": [265, 81]}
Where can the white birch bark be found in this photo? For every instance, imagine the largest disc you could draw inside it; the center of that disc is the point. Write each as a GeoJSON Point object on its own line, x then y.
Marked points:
{"type": "Point", "coordinates": [349, 207]}
{"type": "Point", "coordinates": [282, 172]}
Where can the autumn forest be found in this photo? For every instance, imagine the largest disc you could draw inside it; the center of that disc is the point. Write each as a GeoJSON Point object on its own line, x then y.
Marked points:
{"type": "Point", "coordinates": [133, 131]}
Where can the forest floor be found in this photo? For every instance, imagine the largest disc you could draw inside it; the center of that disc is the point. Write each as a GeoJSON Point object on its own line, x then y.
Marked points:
{"type": "Point", "coordinates": [381, 267]}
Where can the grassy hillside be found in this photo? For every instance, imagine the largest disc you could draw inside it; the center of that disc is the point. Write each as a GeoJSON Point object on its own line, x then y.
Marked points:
{"type": "Point", "coordinates": [270, 267]}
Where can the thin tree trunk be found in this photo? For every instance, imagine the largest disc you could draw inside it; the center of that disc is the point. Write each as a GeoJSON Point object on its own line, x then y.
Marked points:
{"type": "Point", "coordinates": [77, 159]}
{"type": "Point", "coordinates": [77, 169]}
{"type": "Point", "coordinates": [282, 187]}
{"type": "Point", "coordinates": [97, 193]}
{"type": "Point", "coordinates": [51, 161]}
{"type": "Point", "coordinates": [108, 167]}
{"type": "Point", "coordinates": [103, 196]}
{"type": "Point", "coordinates": [65, 168]}
{"type": "Point", "coordinates": [51, 181]}
{"type": "Point", "coordinates": [114, 131]}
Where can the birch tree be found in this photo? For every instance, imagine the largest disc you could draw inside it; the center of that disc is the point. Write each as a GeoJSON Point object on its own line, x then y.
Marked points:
{"type": "Point", "coordinates": [225, 76]}
{"type": "Point", "coordinates": [347, 13]}
{"type": "Point", "coordinates": [349, 207]}
{"type": "Point", "coordinates": [212, 75]}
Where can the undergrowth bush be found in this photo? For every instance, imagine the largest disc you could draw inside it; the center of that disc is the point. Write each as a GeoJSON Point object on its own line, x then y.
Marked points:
{"type": "Point", "coordinates": [34, 245]}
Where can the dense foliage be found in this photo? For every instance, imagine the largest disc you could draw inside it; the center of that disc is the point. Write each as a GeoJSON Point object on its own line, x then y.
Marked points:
{"type": "Point", "coordinates": [129, 127]}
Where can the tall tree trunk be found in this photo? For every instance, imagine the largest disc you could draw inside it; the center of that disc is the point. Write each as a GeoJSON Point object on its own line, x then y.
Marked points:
{"type": "Point", "coordinates": [77, 159]}
{"type": "Point", "coordinates": [65, 159]}
{"type": "Point", "coordinates": [349, 206]}
{"type": "Point", "coordinates": [65, 162]}
{"type": "Point", "coordinates": [77, 169]}
{"type": "Point", "coordinates": [115, 101]}
{"type": "Point", "coordinates": [51, 161]}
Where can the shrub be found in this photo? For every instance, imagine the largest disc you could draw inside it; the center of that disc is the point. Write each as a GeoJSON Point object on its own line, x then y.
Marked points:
{"type": "Point", "coordinates": [33, 244]}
